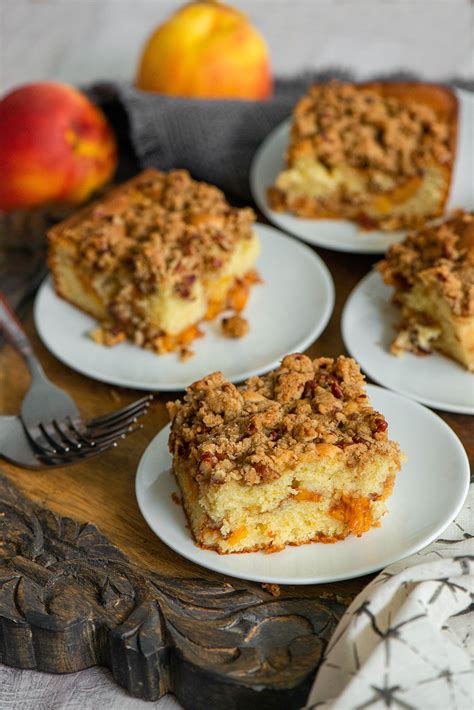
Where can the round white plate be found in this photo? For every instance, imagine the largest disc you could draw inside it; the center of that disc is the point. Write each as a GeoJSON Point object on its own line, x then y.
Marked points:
{"type": "Point", "coordinates": [342, 235]}
{"type": "Point", "coordinates": [367, 324]}
{"type": "Point", "coordinates": [286, 314]}
{"type": "Point", "coordinates": [428, 494]}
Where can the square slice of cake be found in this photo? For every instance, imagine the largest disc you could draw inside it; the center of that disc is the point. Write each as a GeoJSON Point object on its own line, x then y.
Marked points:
{"type": "Point", "coordinates": [380, 154]}
{"type": "Point", "coordinates": [296, 456]}
{"type": "Point", "coordinates": [154, 257]}
{"type": "Point", "coordinates": [432, 273]}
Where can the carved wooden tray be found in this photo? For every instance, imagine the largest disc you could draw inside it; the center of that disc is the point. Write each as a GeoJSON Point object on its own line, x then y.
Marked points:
{"type": "Point", "coordinates": [69, 599]}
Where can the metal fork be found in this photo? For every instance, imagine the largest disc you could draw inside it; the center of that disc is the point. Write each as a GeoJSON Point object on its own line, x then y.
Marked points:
{"type": "Point", "coordinates": [17, 447]}
{"type": "Point", "coordinates": [51, 419]}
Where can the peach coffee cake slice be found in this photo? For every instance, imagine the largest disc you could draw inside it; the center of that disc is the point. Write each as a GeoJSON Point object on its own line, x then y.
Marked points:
{"type": "Point", "coordinates": [298, 455]}
{"type": "Point", "coordinates": [380, 154]}
{"type": "Point", "coordinates": [432, 273]}
{"type": "Point", "coordinates": [153, 258]}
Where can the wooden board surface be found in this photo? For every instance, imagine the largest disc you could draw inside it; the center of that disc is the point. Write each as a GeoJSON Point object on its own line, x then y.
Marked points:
{"type": "Point", "coordinates": [102, 490]}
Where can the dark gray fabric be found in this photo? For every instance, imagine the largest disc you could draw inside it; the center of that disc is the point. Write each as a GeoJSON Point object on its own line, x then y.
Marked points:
{"type": "Point", "coordinates": [214, 139]}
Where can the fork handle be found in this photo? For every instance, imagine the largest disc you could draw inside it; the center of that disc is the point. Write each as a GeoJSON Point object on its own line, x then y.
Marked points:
{"type": "Point", "coordinates": [13, 329]}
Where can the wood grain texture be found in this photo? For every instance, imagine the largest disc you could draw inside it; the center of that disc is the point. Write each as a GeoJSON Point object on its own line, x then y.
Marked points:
{"type": "Point", "coordinates": [69, 599]}
{"type": "Point", "coordinates": [102, 491]}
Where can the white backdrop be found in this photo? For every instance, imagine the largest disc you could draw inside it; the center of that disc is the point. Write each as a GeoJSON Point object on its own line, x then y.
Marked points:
{"type": "Point", "coordinates": [83, 40]}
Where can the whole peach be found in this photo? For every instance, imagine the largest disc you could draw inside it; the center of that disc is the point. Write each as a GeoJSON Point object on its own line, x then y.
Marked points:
{"type": "Point", "coordinates": [55, 146]}
{"type": "Point", "coordinates": [207, 50]}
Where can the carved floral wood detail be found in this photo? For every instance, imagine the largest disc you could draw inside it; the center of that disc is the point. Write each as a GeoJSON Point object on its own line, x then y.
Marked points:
{"type": "Point", "coordinates": [70, 599]}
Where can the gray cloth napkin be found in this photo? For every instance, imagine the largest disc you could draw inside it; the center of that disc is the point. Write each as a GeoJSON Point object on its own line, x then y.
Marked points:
{"type": "Point", "coordinates": [214, 139]}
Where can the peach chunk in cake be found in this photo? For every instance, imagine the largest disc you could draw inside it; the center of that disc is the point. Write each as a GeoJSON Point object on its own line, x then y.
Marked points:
{"type": "Point", "coordinates": [154, 257]}
{"type": "Point", "coordinates": [432, 273]}
{"type": "Point", "coordinates": [380, 154]}
{"type": "Point", "coordinates": [296, 456]}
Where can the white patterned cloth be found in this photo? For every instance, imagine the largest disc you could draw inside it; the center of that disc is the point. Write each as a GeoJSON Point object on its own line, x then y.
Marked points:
{"type": "Point", "coordinates": [407, 640]}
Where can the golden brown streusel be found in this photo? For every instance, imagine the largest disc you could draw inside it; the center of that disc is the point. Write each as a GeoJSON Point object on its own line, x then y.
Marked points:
{"type": "Point", "coordinates": [107, 335]}
{"type": "Point", "coordinates": [415, 335]}
{"type": "Point", "coordinates": [254, 432]}
{"type": "Point", "coordinates": [160, 238]}
{"type": "Point", "coordinates": [186, 354]}
{"type": "Point", "coordinates": [380, 154]}
{"type": "Point", "coordinates": [235, 326]}
{"type": "Point", "coordinates": [345, 124]}
{"type": "Point", "coordinates": [440, 255]}
{"type": "Point", "coordinates": [162, 227]}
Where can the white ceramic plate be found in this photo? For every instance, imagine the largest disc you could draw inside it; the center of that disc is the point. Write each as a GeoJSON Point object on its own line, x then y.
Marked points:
{"type": "Point", "coordinates": [286, 314]}
{"type": "Point", "coordinates": [428, 494]}
{"type": "Point", "coordinates": [342, 235]}
{"type": "Point", "coordinates": [367, 325]}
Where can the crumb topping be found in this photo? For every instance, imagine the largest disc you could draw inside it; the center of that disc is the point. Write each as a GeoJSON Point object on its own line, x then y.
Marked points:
{"type": "Point", "coordinates": [415, 336]}
{"type": "Point", "coordinates": [346, 124]}
{"type": "Point", "coordinates": [441, 256]}
{"type": "Point", "coordinates": [253, 432]}
{"type": "Point", "coordinates": [159, 228]}
{"type": "Point", "coordinates": [186, 354]}
{"type": "Point", "coordinates": [235, 326]}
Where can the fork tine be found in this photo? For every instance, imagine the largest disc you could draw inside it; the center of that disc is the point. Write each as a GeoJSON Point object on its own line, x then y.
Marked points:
{"type": "Point", "coordinates": [106, 440]}
{"type": "Point", "coordinates": [118, 422]}
{"type": "Point", "coordinates": [51, 436]}
{"type": "Point", "coordinates": [109, 435]}
{"type": "Point", "coordinates": [115, 435]}
{"type": "Point", "coordinates": [118, 425]}
{"type": "Point", "coordinates": [44, 445]}
{"type": "Point", "coordinates": [47, 445]}
{"type": "Point", "coordinates": [73, 454]}
{"type": "Point", "coordinates": [121, 434]}
{"type": "Point", "coordinates": [75, 431]}
{"type": "Point", "coordinates": [124, 421]}
{"type": "Point", "coordinates": [50, 439]}
{"type": "Point", "coordinates": [117, 432]}
{"type": "Point", "coordinates": [58, 437]}
{"type": "Point", "coordinates": [85, 454]}
{"type": "Point", "coordinates": [106, 419]}
{"type": "Point", "coordinates": [76, 456]}
{"type": "Point", "coordinates": [63, 442]}
{"type": "Point", "coordinates": [39, 443]}
{"type": "Point", "coordinates": [91, 442]}
{"type": "Point", "coordinates": [81, 435]}
{"type": "Point", "coordinates": [62, 429]}
{"type": "Point", "coordinates": [50, 460]}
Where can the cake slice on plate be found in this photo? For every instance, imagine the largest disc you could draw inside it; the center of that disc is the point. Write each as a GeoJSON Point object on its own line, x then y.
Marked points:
{"type": "Point", "coordinates": [432, 273]}
{"type": "Point", "coordinates": [154, 257]}
{"type": "Point", "coordinates": [298, 455]}
{"type": "Point", "coordinates": [381, 154]}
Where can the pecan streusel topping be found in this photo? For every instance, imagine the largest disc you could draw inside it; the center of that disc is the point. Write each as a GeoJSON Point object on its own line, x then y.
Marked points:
{"type": "Point", "coordinates": [253, 432]}
{"type": "Point", "coordinates": [163, 229]}
{"type": "Point", "coordinates": [440, 255]}
{"type": "Point", "coordinates": [345, 124]}
{"type": "Point", "coordinates": [235, 326]}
